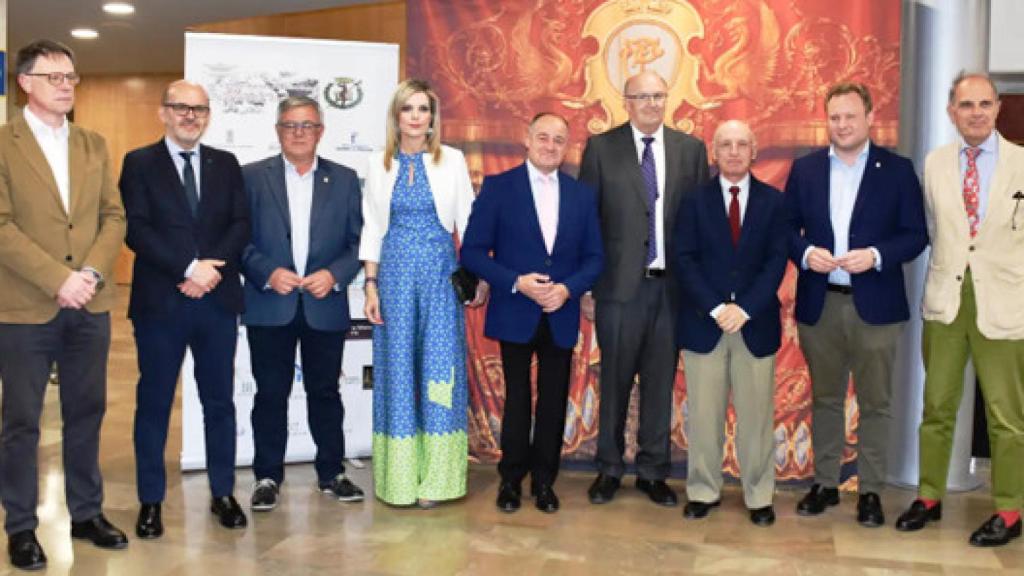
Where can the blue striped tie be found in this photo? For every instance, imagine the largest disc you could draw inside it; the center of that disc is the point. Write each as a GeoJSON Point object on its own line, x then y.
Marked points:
{"type": "Point", "coordinates": [651, 180]}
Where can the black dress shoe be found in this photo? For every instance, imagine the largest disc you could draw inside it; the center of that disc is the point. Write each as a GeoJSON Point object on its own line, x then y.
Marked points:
{"type": "Point", "coordinates": [100, 532]}
{"type": "Point", "coordinates": [603, 489]}
{"type": "Point", "coordinates": [817, 500]}
{"type": "Point", "coordinates": [869, 510]}
{"type": "Point", "coordinates": [25, 551]}
{"type": "Point", "coordinates": [763, 516]}
{"type": "Point", "coordinates": [149, 525]}
{"type": "Point", "coordinates": [658, 491]}
{"type": "Point", "coordinates": [694, 509]}
{"type": "Point", "coordinates": [546, 500]}
{"type": "Point", "coordinates": [228, 512]}
{"type": "Point", "coordinates": [509, 496]}
{"type": "Point", "coordinates": [994, 532]}
{"type": "Point", "coordinates": [917, 516]}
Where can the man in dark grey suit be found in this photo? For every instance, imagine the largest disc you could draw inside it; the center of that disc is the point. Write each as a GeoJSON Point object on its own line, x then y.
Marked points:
{"type": "Point", "coordinates": [640, 170]}
{"type": "Point", "coordinates": [306, 219]}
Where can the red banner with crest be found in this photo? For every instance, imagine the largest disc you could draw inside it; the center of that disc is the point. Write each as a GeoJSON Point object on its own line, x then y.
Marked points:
{"type": "Point", "coordinates": [769, 62]}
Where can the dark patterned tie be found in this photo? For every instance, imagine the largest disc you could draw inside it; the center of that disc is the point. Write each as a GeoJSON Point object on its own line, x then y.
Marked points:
{"type": "Point", "coordinates": [734, 214]}
{"type": "Point", "coordinates": [651, 180]}
{"type": "Point", "coordinates": [188, 178]}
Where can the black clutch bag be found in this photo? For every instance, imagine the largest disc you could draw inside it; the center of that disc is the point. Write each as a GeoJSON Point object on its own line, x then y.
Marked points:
{"type": "Point", "coordinates": [465, 283]}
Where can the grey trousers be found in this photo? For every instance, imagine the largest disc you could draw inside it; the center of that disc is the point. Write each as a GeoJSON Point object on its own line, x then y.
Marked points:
{"type": "Point", "coordinates": [637, 339]}
{"type": "Point", "coordinates": [839, 345]}
{"type": "Point", "coordinates": [79, 341]}
{"type": "Point", "coordinates": [710, 378]}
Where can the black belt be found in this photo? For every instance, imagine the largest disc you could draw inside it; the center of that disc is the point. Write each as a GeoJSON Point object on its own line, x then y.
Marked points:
{"type": "Point", "coordinates": [840, 289]}
{"type": "Point", "coordinates": [654, 272]}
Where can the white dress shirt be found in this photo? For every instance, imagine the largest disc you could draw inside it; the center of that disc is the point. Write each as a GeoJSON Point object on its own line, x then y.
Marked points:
{"type": "Point", "coordinates": [54, 144]}
{"type": "Point", "coordinates": [299, 188]}
{"type": "Point", "coordinates": [658, 149]}
{"type": "Point", "coordinates": [545, 202]}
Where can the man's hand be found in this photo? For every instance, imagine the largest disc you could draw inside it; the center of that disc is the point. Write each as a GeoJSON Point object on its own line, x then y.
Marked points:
{"type": "Point", "coordinates": [555, 298]}
{"type": "Point", "coordinates": [319, 283]}
{"type": "Point", "coordinates": [821, 260]}
{"type": "Point", "coordinates": [534, 286]}
{"type": "Point", "coordinates": [857, 261]}
{"type": "Point", "coordinates": [731, 319]}
{"type": "Point", "coordinates": [191, 289]}
{"type": "Point", "coordinates": [205, 273]}
{"type": "Point", "coordinates": [283, 281]}
{"type": "Point", "coordinates": [587, 306]}
{"type": "Point", "coordinates": [483, 290]}
{"type": "Point", "coordinates": [77, 290]}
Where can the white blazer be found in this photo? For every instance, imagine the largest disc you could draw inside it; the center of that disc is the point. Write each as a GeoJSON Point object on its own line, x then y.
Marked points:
{"type": "Point", "coordinates": [449, 183]}
{"type": "Point", "coordinates": [995, 255]}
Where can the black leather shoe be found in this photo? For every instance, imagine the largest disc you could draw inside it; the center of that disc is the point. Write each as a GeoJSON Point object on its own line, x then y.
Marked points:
{"type": "Point", "coordinates": [763, 516]}
{"type": "Point", "coordinates": [817, 500]}
{"type": "Point", "coordinates": [869, 510]}
{"type": "Point", "coordinates": [149, 525]}
{"type": "Point", "coordinates": [228, 512]}
{"type": "Point", "coordinates": [694, 509]}
{"type": "Point", "coordinates": [658, 491]}
{"type": "Point", "coordinates": [509, 497]}
{"type": "Point", "coordinates": [100, 532]}
{"type": "Point", "coordinates": [994, 532]}
{"type": "Point", "coordinates": [603, 489]}
{"type": "Point", "coordinates": [917, 516]}
{"type": "Point", "coordinates": [25, 551]}
{"type": "Point", "coordinates": [546, 500]}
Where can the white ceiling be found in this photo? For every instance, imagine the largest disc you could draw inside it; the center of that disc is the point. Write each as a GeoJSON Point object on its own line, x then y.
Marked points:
{"type": "Point", "coordinates": [151, 40]}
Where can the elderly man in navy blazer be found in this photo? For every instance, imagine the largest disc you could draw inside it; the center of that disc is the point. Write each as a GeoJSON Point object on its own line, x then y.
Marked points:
{"type": "Point", "coordinates": [535, 237]}
{"type": "Point", "coordinates": [307, 215]}
{"type": "Point", "coordinates": [188, 222]}
{"type": "Point", "coordinates": [730, 255]}
{"type": "Point", "coordinates": [856, 216]}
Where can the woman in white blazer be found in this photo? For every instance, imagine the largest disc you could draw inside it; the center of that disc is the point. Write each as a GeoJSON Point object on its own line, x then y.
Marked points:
{"type": "Point", "coordinates": [418, 195]}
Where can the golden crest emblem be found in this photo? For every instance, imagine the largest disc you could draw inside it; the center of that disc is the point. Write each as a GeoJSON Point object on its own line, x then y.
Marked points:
{"type": "Point", "coordinates": [634, 36]}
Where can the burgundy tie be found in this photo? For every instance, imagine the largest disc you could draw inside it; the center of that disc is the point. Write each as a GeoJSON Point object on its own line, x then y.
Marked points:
{"type": "Point", "coordinates": [734, 214]}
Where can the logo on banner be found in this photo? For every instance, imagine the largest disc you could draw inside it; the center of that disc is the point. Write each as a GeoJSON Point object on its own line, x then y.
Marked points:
{"type": "Point", "coordinates": [344, 93]}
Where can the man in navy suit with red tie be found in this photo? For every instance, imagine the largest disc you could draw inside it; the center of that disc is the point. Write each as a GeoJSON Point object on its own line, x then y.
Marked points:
{"type": "Point", "coordinates": [856, 216]}
{"type": "Point", "coordinates": [534, 236]}
{"type": "Point", "coordinates": [730, 257]}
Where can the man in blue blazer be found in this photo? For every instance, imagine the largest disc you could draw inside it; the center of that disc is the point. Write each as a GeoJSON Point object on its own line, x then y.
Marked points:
{"type": "Point", "coordinates": [188, 222]}
{"type": "Point", "coordinates": [731, 240]}
{"type": "Point", "coordinates": [534, 236]}
{"type": "Point", "coordinates": [856, 216]}
{"type": "Point", "coordinates": [306, 218]}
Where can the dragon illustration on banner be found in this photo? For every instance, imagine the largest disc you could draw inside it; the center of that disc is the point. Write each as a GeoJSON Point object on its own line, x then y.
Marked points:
{"type": "Point", "coordinates": [768, 62]}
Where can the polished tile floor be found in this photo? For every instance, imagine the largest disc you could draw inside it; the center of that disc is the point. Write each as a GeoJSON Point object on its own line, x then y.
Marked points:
{"type": "Point", "coordinates": [311, 534]}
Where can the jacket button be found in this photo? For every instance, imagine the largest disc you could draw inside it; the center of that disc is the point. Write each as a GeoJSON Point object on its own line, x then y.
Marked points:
{"type": "Point", "coordinates": [68, 258]}
{"type": "Point", "coordinates": [547, 262]}
{"type": "Point", "coordinates": [647, 243]}
{"type": "Point", "coordinates": [971, 248]}
{"type": "Point", "coordinates": [959, 278]}
{"type": "Point", "coordinates": [71, 226]}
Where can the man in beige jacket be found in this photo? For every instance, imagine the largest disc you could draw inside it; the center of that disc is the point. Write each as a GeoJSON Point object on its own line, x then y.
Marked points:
{"type": "Point", "coordinates": [972, 305]}
{"type": "Point", "coordinates": [61, 228]}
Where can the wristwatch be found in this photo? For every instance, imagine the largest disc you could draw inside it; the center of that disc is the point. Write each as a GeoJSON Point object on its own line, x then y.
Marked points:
{"type": "Point", "coordinates": [100, 283]}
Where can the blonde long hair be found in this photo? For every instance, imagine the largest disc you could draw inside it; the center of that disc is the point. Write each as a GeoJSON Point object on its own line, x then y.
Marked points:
{"type": "Point", "coordinates": [405, 91]}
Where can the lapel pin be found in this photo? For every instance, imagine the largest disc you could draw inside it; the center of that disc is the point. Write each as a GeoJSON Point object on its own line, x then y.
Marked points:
{"type": "Point", "coordinates": [878, 164]}
{"type": "Point", "coordinates": [326, 179]}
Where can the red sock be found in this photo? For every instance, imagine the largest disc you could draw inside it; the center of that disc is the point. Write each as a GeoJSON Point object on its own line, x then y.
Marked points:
{"type": "Point", "coordinates": [1010, 517]}
{"type": "Point", "coordinates": [929, 503]}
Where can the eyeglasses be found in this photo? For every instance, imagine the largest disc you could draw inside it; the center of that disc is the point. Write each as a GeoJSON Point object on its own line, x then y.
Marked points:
{"type": "Point", "coordinates": [656, 98]}
{"type": "Point", "coordinates": [179, 109]}
{"type": "Point", "coordinates": [299, 127]}
{"type": "Point", "coordinates": [56, 78]}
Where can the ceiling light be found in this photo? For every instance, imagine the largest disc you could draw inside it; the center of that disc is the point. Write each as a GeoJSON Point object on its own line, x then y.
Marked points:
{"type": "Point", "coordinates": [85, 33]}
{"type": "Point", "coordinates": [119, 8]}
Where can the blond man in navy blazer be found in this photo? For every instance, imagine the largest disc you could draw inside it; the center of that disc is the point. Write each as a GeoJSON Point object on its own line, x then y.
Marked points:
{"type": "Point", "coordinates": [534, 236]}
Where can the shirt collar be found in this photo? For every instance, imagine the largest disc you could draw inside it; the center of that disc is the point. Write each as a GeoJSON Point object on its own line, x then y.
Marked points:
{"type": "Point", "coordinates": [989, 146]}
{"type": "Point", "coordinates": [289, 168]}
{"type": "Point", "coordinates": [37, 125]}
{"type": "Point", "coordinates": [535, 173]}
{"type": "Point", "coordinates": [174, 149]}
{"type": "Point", "coordinates": [638, 136]}
{"type": "Point", "coordinates": [861, 156]}
{"type": "Point", "coordinates": [744, 184]}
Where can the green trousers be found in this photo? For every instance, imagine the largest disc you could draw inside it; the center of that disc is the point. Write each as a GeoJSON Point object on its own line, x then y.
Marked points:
{"type": "Point", "coordinates": [1000, 368]}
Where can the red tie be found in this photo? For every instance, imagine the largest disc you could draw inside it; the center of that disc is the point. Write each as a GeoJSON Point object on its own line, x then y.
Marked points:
{"type": "Point", "coordinates": [734, 214]}
{"type": "Point", "coordinates": [972, 189]}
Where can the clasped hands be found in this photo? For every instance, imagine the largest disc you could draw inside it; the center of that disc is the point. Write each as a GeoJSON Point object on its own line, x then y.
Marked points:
{"type": "Point", "coordinates": [205, 277]}
{"type": "Point", "coordinates": [319, 283]}
{"type": "Point", "coordinates": [77, 290]}
{"type": "Point", "coordinates": [539, 288]}
{"type": "Point", "coordinates": [855, 261]}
